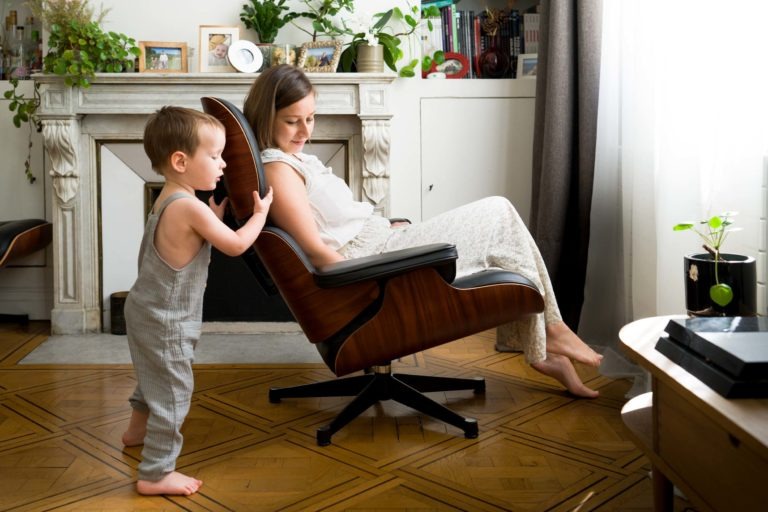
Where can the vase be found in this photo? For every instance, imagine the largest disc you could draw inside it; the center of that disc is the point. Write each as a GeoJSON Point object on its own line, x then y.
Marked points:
{"type": "Point", "coordinates": [370, 58]}
{"type": "Point", "coordinates": [737, 271]}
{"type": "Point", "coordinates": [493, 62]}
{"type": "Point", "coordinates": [266, 54]}
{"type": "Point", "coordinates": [283, 54]}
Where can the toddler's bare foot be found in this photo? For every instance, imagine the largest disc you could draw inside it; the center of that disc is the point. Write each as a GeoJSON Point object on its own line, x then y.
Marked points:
{"type": "Point", "coordinates": [561, 369]}
{"type": "Point", "coordinates": [172, 483]}
{"type": "Point", "coordinates": [137, 428]}
{"type": "Point", "coordinates": [562, 340]}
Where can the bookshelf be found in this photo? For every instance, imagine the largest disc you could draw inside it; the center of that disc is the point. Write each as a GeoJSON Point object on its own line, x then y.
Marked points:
{"type": "Point", "coordinates": [489, 34]}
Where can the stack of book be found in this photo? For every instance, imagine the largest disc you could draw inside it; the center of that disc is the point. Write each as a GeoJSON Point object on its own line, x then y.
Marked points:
{"type": "Point", "coordinates": [463, 32]}
{"type": "Point", "coordinates": [729, 354]}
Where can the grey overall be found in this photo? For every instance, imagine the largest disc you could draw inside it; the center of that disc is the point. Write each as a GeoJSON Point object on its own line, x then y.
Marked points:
{"type": "Point", "coordinates": [163, 314]}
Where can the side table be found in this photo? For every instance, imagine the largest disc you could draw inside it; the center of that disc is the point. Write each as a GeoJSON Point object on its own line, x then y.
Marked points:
{"type": "Point", "coordinates": [714, 449]}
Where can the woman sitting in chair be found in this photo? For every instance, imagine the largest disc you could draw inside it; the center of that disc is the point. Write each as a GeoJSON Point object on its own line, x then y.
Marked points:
{"type": "Point", "coordinates": [318, 210]}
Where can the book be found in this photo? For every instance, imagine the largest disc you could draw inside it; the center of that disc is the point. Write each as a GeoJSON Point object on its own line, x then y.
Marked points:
{"type": "Point", "coordinates": [736, 345]}
{"type": "Point", "coordinates": [721, 382]}
{"type": "Point", "coordinates": [531, 32]}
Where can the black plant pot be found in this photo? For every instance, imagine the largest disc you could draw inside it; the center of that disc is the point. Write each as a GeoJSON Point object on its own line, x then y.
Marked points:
{"type": "Point", "coordinates": [737, 271]}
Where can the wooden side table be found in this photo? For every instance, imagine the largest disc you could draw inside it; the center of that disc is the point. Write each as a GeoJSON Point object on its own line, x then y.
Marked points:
{"type": "Point", "coordinates": [714, 449]}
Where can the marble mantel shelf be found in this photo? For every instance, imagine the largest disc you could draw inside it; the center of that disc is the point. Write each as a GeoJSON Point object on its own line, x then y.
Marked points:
{"type": "Point", "coordinates": [75, 121]}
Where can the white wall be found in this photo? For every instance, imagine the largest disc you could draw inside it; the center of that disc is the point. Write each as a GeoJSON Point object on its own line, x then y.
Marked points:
{"type": "Point", "coordinates": [177, 21]}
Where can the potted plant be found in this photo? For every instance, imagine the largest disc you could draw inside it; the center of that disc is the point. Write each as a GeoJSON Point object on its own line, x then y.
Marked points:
{"type": "Point", "coordinates": [77, 49]}
{"type": "Point", "coordinates": [322, 14]}
{"type": "Point", "coordinates": [377, 38]}
{"type": "Point", "coordinates": [717, 283]}
{"type": "Point", "coordinates": [266, 18]}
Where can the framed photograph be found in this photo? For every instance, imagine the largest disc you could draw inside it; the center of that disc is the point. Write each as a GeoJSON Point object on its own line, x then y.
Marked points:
{"type": "Point", "coordinates": [320, 56]}
{"type": "Point", "coordinates": [215, 41]}
{"type": "Point", "coordinates": [456, 65]}
{"type": "Point", "coordinates": [160, 57]}
{"type": "Point", "coordinates": [526, 65]}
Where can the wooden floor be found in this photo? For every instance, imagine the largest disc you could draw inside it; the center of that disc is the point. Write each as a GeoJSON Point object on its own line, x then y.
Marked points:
{"type": "Point", "coordinates": [539, 448]}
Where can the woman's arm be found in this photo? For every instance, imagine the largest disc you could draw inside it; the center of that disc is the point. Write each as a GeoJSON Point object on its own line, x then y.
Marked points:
{"type": "Point", "coordinates": [291, 211]}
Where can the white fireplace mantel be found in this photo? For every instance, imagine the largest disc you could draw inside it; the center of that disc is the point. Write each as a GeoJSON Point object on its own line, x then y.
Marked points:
{"type": "Point", "coordinates": [115, 108]}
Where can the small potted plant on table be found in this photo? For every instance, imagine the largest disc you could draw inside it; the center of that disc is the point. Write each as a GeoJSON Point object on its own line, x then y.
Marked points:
{"type": "Point", "coordinates": [717, 283]}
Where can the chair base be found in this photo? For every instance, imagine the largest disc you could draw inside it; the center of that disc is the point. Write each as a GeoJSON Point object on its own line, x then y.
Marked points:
{"type": "Point", "coordinates": [382, 384]}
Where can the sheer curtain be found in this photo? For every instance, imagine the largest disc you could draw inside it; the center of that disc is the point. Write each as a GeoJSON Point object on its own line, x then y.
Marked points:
{"type": "Point", "coordinates": [682, 133]}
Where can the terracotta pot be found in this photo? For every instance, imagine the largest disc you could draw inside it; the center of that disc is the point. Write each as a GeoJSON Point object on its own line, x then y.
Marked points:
{"type": "Point", "coordinates": [737, 271]}
{"type": "Point", "coordinates": [370, 58]}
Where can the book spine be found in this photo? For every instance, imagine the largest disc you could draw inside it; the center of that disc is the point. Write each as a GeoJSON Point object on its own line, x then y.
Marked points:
{"type": "Point", "coordinates": [437, 3]}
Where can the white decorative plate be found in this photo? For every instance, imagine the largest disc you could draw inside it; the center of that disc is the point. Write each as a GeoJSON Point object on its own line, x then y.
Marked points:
{"type": "Point", "coordinates": [245, 56]}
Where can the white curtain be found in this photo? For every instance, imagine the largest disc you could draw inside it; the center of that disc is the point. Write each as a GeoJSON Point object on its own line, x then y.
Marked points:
{"type": "Point", "coordinates": [682, 134]}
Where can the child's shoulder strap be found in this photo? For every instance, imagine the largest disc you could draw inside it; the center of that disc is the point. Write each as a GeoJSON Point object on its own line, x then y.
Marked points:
{"type": "Point", "coordinates": [171, 198]}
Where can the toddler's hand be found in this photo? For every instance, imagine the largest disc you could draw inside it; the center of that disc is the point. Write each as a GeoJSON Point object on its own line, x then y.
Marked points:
{"type": "Point", "coordinates": [220, 208]}
{"type": "Point", "coordinates": [262, 205]}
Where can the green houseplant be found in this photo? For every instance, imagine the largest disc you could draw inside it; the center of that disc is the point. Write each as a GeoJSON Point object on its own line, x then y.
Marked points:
{"type": "Point", "coordinates": [322, 15]}
{"type": "Point", "coordinates": [266, 18]}
{"type": "Point", "coordinates": [389, 29]}
{"type": "Point", "coordinates": [718, 283]}
{"type": "Point", "coordinates": [77, 49]}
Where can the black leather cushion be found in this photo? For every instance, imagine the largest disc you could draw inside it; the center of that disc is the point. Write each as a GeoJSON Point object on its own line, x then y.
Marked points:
{"type": "Point", "coordinates": [10, 229]}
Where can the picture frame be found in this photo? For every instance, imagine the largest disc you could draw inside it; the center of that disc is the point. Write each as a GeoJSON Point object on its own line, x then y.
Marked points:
{"type": "Point", "coordinates": [527, 64]}
{"type": "Point", "coordinates": [319, 56]}
{"type": "Point", "coordinates": [215, 41]}
{"type": "Point", "coordinates": [163, 57]}
{"type": "Point", "coordinates": [455, 65]}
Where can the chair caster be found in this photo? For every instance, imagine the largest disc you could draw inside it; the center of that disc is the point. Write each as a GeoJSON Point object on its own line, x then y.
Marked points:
{"type": "Point", "coordinates": [479, 388]}
{"type": "Point", "coordinates": [274, 398]}
{"type": "Point", "coordinates": [324, 436]}
{"type": "Point", "coordinates": [470, 428]}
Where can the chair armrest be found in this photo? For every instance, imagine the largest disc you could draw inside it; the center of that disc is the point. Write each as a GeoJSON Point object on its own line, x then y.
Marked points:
{"type": "Point", "coordinates": [442, 257]}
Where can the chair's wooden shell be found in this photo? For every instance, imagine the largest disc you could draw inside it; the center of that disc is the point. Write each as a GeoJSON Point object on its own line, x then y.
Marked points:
{"type": "Point", "coordinates": [370, 322]}
{"type": "Point", "coordinates": [20, 238]}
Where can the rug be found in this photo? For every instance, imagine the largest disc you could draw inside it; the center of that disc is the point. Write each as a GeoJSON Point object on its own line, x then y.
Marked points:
{"type": "Point", "coordinates": [213, 348]}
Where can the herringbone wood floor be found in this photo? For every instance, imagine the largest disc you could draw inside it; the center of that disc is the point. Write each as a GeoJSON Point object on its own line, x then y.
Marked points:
{"type": "Point", "coordinates": [539, 448]}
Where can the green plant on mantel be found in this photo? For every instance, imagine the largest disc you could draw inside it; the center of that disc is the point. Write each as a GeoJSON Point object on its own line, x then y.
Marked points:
{"type": "Point", "coordinates": [322, 14]}
{"type": "Point", "coordinates": [389, 29]}
{"type": "Point", "coordinates": [78, 48]}
{"type": "Point", "coordinates": [266, 18]}
{"type": "Point", "coordinates": [713, 232]}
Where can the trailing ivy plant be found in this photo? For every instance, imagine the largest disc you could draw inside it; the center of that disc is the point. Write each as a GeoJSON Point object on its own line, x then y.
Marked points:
{"type": "Point", "coordinates": [77, 49]}
{"type": "Point", "coordinates": [24, 109]}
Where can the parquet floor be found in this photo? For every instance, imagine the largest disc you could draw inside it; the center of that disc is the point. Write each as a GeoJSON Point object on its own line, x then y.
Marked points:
{"type": "Point", "coordinates": [539, 449]}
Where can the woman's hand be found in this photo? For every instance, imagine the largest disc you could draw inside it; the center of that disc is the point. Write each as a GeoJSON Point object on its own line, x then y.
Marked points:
{"type": "Point", "coordinates": [220, 208]}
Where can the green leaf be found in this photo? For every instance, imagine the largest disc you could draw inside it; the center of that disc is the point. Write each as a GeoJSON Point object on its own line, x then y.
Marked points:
{"type": "Point", "coordinates": [683, 226]}
{"type": "Point", "coordinates": [715, 222]}
{"type": "Point", "coordinates": [721, 294]}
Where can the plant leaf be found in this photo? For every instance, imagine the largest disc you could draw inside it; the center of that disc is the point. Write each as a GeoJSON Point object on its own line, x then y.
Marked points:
{"type": "Point", "coordinates": [721, 294]}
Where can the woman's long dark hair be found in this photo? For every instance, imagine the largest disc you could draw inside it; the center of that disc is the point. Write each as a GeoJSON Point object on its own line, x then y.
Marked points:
{"type": "Point", "coordinates": [276, 88]}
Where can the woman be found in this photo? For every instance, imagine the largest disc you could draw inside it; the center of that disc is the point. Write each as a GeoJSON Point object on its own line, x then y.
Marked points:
{"type": "Point", "coordinates": [318, 210]}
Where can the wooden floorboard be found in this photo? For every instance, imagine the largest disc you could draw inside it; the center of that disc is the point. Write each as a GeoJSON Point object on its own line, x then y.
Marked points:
{"type": "Point", "coordinates": [539, 448]}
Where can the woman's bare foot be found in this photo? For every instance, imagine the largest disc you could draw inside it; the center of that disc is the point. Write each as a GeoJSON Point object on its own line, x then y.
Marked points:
{"type": "Point", "coordinates": [172, 483]}
{"type": "Point", "coordinates": [561, 369]}
{"type": "Point", "coordinates": [562, 340]}
{"type": "Point", "coordinates": [137, 428]}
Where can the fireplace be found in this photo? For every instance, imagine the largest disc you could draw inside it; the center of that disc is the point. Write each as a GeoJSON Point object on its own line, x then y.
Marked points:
{"type": "Point", "coordinates": [353, 108]}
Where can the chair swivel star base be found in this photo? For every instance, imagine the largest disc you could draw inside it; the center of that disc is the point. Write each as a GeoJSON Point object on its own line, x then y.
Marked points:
{"type": "Point", "coordinates": [382, 384]}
